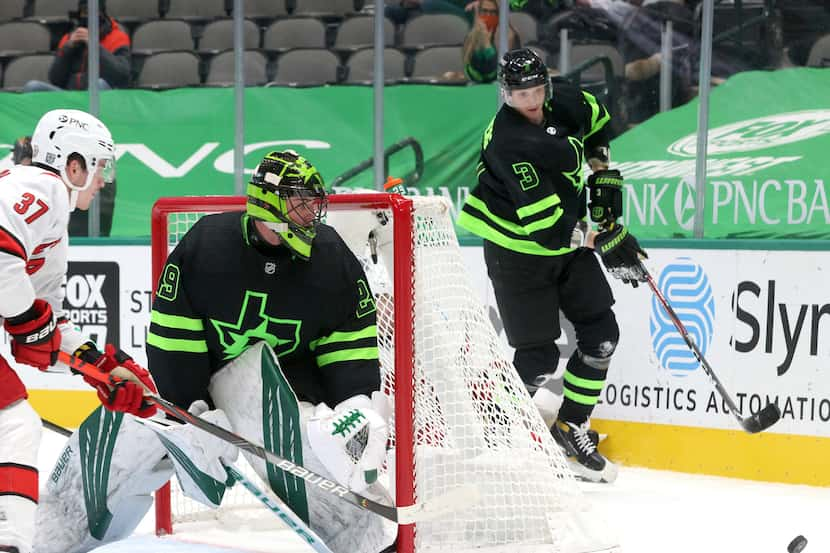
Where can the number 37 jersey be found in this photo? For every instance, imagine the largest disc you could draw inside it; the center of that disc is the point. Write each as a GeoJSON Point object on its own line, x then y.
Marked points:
{"type": "Point", "coordinates": [34, 214]}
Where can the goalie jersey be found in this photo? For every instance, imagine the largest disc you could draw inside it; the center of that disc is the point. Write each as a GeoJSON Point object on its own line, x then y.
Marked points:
{"type": "Point", "coordinates": [223, 290]}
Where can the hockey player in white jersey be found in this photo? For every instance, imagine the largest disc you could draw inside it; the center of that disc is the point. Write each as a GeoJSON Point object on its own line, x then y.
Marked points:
{"type": "Point", "coordinates": [73, 158]}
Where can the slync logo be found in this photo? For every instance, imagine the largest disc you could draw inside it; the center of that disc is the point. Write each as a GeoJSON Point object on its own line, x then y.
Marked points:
{"type": "Point", "coordinates": [686, 287]}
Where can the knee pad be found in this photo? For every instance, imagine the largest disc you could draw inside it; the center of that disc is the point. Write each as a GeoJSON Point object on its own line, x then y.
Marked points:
{"type": "Point", "coordinates": [101, 485]}
{"type": "Point", "coordinates": [597, 339]}
{"type": "Point", "coordinates": [536, 362]}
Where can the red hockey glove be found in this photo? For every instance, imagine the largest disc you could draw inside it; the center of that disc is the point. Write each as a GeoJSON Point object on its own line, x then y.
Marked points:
{"type": "Point", "coordinates": [35, 336]}
{"type": "Point", "coordinates": [124, 394]}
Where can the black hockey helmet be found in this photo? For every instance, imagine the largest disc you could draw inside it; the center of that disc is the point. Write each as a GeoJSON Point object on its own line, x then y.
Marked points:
{"type": "Point", "coordinates": [522, 68]}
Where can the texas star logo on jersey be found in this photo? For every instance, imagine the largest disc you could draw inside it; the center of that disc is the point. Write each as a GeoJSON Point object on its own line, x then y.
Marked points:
{"type": "Point", "coordinates": [254, 325]}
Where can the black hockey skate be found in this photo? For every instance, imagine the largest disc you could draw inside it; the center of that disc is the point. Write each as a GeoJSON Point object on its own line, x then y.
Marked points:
{"type": "Point", "coordinates": [581, 450]}
{"type": "Point", "coordinates": [8, 549]}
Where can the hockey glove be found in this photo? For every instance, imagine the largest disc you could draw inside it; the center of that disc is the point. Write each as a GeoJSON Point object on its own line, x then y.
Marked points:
{"type": "Point", "coordinates": [35, 336]}
{"type": "Point", "coordinates": [350, 441]}
{"type": "Point", "coordinates": [605, 191]}
{"type": "Point", "coordinates": [125, 391]}
{"type": "Point", "coordinates": [621, 255]}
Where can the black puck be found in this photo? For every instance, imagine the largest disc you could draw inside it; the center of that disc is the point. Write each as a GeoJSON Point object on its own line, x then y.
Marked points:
{"type": "Point", "coordinates": [797, 545]}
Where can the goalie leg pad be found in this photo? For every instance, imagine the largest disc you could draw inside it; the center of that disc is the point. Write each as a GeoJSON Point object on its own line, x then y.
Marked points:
{"type": "Point", "coordinates": [21, 429]}
{"type": "Point", "coordinates": [198, 456]}
{"type": "Point", "coordinates": [255, 395]}
{"type": "Point", "coordinates": [101, 485]}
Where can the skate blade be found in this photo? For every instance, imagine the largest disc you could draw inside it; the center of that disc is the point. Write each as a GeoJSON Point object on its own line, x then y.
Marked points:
{"type": "Point", "coordinates": [605, 476]}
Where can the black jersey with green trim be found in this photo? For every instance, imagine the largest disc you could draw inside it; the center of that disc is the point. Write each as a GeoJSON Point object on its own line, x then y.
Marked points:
{"type": "Point", "coordinates": [530, 190]}
{"type": "Point", "coordinates": [219, 294]}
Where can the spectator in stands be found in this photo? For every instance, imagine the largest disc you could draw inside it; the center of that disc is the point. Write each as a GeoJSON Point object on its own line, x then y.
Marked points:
{"type": "Point", "coordinates": [402, 10]}
{"type": "Point", "coordinates": [480, 51]}
{"type": "Point", "coordinates": [22, 151]}
{"type": "Point", "coordinates": [640, 46]}
{"type": "Point", "coordinates": [69, 68]}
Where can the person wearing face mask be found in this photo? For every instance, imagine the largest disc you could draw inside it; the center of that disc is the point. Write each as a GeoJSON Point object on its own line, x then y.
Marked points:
{"type": "Point", "coordinates": [481, 45]}
{"type": "Point", "coordinates": [69, 69]}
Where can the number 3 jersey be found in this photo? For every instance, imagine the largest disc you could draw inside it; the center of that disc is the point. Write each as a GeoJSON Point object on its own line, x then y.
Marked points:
{"type": "Point", "coordinates": [34, 214]}
{"type": "Point", "coordinates": [530, 192]}
{"type": "Point", "coordinates": [222, 290]}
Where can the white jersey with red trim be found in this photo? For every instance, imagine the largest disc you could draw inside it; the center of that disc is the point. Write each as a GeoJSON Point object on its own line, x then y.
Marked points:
{"type": "Point", "coordinates": [34, 216]}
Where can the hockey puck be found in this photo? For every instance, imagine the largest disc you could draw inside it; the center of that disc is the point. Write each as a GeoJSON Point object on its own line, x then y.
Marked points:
{"type": "Point", "coordinates": [797, 545]}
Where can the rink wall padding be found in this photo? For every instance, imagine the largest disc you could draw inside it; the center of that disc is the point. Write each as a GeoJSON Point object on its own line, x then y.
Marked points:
{"type": "Point", "coordinates": [759, 311]}
{"type": "Point", "coordinates": [768, 457]}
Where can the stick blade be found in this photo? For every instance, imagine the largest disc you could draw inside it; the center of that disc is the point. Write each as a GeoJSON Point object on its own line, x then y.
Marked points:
{"type": "Point", "coordinates": [458, 498]}
{"type": "Point", "coordinates": [763, 419]}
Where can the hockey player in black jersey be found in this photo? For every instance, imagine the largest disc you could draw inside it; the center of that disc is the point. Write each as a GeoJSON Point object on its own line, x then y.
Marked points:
{"type": "Point", "coordinates": [530, 208]}
{"type": "Point", "coordinates": [263, 322]}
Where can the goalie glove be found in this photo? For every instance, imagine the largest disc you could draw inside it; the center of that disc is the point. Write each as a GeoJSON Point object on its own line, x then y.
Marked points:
{"type": "Point", "coordinates": [621, 255]}
{"type": "Point", "coordinates": [350, 441]}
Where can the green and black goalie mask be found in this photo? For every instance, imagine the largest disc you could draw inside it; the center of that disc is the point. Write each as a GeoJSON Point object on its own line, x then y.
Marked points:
{"type": "Point", "coordinates": [287, 193]}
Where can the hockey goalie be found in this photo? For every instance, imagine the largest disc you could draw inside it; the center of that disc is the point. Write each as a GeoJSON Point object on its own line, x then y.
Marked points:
{"type": "Point", "coordinates": [263, 322]}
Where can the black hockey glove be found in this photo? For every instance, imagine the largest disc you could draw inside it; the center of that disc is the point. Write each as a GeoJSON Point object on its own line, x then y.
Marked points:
{"type": "Point", "coordinates": [621, 255]}
{"type": "Point", "coordinates": [605, 191]}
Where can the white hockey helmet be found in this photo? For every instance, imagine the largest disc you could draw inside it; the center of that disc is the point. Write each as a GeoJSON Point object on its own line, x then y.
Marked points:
{"type": "Point", "coordinates": [63, 132]}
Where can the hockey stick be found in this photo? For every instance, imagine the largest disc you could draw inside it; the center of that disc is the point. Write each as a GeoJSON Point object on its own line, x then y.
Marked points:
{"type": "Point", "coordinates": [459, 497]}
{"type": "Point", "coordinates": [282, 511]}
{"type": "Point", "coordinates": [56, 428]}
{"type": "Point", "coordinates": [754, 423]}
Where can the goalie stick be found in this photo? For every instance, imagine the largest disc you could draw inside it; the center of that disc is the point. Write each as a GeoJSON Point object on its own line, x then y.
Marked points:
{"type": "Point", "coordinates": [282, 511]}
{"type": "Point", "coordinates": [757, 422]}
{"type": "Point", "coordinates": [463, 496]}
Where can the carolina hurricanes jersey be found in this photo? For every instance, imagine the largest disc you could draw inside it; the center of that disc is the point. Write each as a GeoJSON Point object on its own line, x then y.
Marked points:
{"type": "Point", "coordinates": [221, 292]}
{"type": "Point", "coordinates": [34, 215]}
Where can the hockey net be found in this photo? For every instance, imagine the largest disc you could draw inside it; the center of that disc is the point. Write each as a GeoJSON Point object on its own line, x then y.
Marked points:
{"type": "Point", "coordinates": [461, 414]}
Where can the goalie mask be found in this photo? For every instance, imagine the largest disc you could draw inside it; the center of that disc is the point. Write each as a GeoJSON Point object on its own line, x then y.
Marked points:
{"type": "Point", "coordinates": [521, 71]}
{"type": "Point", "coordinates": [288, 194]}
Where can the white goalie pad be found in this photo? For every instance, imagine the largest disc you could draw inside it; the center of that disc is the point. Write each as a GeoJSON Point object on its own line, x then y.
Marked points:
{"type": "Point", "coordinates": [261, 406]}
{"type": "Point", "coordinates": [199, 457]}
{"type": "Point", "coordinates": [101, 485]}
